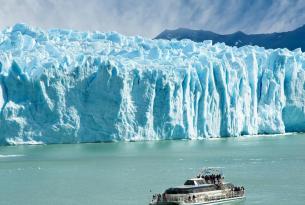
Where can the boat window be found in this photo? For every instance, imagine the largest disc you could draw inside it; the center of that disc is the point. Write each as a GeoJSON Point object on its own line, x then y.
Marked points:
{"type": "Point", "coordinates": [189, 182]}
{"type": "Point", "coordinates": [200, 182]}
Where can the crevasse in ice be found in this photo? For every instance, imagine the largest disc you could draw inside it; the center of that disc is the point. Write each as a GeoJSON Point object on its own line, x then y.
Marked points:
{"type": "Point", "coordinates": [64, 86]}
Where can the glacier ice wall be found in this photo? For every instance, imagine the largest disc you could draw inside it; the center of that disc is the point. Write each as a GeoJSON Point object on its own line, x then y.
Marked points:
{"type": "Point", "coordinates": [64, 86]}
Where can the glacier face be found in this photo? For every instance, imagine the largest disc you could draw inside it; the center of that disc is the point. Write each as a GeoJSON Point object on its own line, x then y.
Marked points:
{"type": "Point", "coordinates": [63, 86]}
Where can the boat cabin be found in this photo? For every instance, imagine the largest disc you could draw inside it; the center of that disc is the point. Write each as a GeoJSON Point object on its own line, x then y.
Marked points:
{"type": "Point", "coordinates": [191, 189]}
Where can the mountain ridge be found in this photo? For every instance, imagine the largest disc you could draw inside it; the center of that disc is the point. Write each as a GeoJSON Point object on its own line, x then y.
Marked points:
{"type": "Point", "coordinates": [289, 39]}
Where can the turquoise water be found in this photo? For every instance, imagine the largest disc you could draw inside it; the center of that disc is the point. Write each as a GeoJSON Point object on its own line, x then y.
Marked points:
{"type": "Point", "coordinates": [271, 168]}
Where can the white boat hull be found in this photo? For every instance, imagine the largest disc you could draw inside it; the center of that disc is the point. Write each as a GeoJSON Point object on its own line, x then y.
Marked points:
{"type": "Point", "coordinates": [232, 201]}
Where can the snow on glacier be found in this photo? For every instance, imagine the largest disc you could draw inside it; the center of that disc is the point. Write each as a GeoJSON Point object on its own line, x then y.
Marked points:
{"type": "Point", "coordinates": [64, 86]}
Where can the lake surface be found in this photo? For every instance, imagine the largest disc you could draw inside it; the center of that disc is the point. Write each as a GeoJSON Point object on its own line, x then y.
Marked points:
{"type": "Point", "coordinates": [127, 173]}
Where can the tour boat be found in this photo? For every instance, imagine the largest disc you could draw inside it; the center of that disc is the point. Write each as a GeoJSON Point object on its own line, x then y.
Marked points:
{"type": "Point", "coordinates": [208, 187]}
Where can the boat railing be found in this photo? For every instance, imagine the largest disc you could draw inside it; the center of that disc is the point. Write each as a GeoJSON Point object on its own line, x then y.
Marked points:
{"type": "Point", "coordinates": [233, 194]}
{"type": "Point", "coordinates": [225, 195]}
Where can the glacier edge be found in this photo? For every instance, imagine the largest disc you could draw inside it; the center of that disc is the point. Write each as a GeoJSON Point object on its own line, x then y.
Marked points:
{"type": "Point", "coordinates": [64, 86]}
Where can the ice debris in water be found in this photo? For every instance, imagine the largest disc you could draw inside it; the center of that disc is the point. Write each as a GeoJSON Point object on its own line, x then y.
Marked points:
{"type": "Point", "coordinates": [65, 86]}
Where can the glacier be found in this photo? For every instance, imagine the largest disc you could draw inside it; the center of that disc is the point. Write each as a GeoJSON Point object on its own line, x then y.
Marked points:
{"type": "Point", "coordinates": [66, 86]}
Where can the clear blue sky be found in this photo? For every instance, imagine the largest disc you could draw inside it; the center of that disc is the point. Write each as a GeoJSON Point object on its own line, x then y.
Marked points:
{"type": "Point", "coordinates": [150, 17]}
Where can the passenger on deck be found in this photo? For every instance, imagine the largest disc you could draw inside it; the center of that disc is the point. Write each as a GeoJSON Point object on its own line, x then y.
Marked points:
{"type": "Point", "coordinates": [213, 178]}
{"type": "Point", "coordinates": [207, 179]}
{"type": "Point", "coordinates": [164, 197]}
{"type": "Point", "coordinates": [218, 178]}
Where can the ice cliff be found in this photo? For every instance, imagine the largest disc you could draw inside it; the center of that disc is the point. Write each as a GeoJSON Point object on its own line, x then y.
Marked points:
{"type": "Point", "coordinates": [64, 86]}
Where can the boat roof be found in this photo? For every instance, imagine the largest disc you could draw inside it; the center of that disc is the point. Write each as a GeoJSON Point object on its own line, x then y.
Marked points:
{"type": "Point", "coordinates": [195, 179]}
{"type": "Point", "coordinates": [193, 186]}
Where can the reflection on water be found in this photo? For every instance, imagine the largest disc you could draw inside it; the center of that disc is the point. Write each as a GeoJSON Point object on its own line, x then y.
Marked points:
{"type": "Point", "coordinates": [10, 155]}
